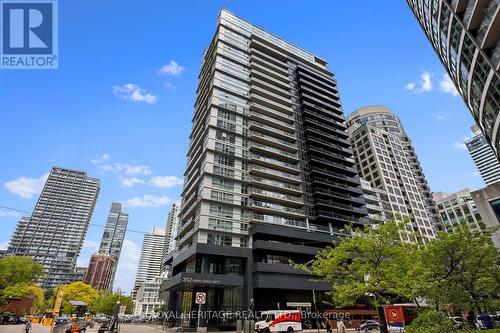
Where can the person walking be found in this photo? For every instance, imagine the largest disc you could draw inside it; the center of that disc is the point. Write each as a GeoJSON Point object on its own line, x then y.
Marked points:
{"type": "Point", "coordinates": [340, 326]}
{"type": "Point", "coordinates": [328, 327]}
{"type": "Point", "coordinates": [27, 327]}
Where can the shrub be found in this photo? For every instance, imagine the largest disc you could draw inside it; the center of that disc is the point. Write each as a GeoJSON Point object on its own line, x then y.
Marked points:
{"type": "Point", "coordinates": [430, 321]}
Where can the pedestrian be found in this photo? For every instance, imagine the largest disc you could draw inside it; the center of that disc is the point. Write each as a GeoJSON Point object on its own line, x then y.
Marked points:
{"type": "Point", "coordinates": [340, 326]}
{"type": "Point", "coordinates": [485, 319]}
{"type": "Point", "coordinates": [27, 327]}
{"type": "Point", "coordinates": [328, 327]}
{"type": "Point", "coordinates": [470, 319]}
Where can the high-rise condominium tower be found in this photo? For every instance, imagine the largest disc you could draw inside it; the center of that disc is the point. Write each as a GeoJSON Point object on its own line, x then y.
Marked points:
{"type": "Point", "coordinates": [171, 228]}
{"type": "Point", "coordinates": [465, 35]}
{"type": "Point", "coordinates": [113, 235]}
{"type": "Point", "coordinates": [270, 175]}
{"type": "Point", "coordinates": [100, 271]}
{"type": "Point", "coordinates": [385, 157]}
{"type": "Point", "coordinates": [150, 259]}
{"type": "Point", "coordinates": [55, 232]}
{"type": "Point", "coordinates": [483, 156]}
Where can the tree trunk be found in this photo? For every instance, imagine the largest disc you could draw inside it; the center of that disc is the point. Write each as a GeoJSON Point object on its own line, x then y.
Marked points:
{"type": "Point", "coordinates": [381, 318]}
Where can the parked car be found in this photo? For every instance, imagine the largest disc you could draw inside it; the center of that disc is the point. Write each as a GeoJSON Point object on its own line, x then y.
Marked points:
{"type": "Point", "coordinates": [459, 323]}
{"type": "Point", "coordinates": [16, 321]}
{"type": "Point", "coordinates": [369, 325]}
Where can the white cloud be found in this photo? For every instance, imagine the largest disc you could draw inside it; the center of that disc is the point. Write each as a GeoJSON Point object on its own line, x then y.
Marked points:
{"type": "Point", "coordinates": [90, 244]}
{"type": "Point", "coordinates": [132, 92]}
{"type": "Point", "coordinates": [172, 68]}
{"type": "Point", "coordinates": [127, 266]}
{"type": "Point", "coordinates": [440, 116]}
{"type": "Point", "coordinates": [4, 246]}
{"type": "Point", "coordinates": [446, 85]}
{"type": "Point", "coordinates": [459, 145]}
{"type": "Point", "coordinates": [165, 181]}
{"type": "Point", "coordinates": [410, 86]}
{"type": "Point", "coordinates": [147, 200]}
{"type": "Point", "coordinates": [131, 182]}
{"type": "Point", "coordinates": [104, 164]}
{"type": "Point", "coordinates": [9, 214]}
{"type": "Point", "coordinates": [425, 84]}
{"type": "Point", "coordinates": [100, 159]}
{"type": "Point", "coordinates": [26, 187]}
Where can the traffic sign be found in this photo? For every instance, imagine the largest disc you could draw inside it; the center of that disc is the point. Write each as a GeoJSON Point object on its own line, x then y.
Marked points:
{"type": "Point", "coordinates": [201, 298]}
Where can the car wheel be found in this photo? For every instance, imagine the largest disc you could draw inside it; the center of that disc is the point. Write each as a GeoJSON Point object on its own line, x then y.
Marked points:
{"type": "Point", "coordinates": [266, 330]}
{"type": "Point", "coordinates": [290, 330]}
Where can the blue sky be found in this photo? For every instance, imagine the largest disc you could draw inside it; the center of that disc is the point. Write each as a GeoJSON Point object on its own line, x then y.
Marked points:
{"type": "Point", "coordinates": [121, 102]}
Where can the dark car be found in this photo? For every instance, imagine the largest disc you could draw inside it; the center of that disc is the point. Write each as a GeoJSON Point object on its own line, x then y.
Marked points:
{"type": "Point", "coordinates": [17, 321]}
{"type": "Point", "coordinates": [369, 325]}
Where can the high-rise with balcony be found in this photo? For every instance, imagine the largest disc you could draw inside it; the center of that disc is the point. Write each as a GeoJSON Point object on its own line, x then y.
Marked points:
{"type": "Point", "coordinates": [385, 157]}
{"type": "Point", "coordinates": [270, 176]}
{"type": "Point", "coordinates": [465, 35]}
{"type": "Point", "coordinates": [113, 236]}
{"type": "Point", "coordinates": [483, 156]}
{"type": "Point", "coordinates": [54, 233]}
{"type": "Point", "coordinates": [151, 257]}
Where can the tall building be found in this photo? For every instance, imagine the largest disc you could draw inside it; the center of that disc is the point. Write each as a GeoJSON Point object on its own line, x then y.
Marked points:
{"type": "Point", "coordinates": [483, 156]}
{"type": "Point", "coordinates": [100, 271]}
{"type": "Point", "coordinates": [55, 232]}
{"type": "Point", "coordinates": [150, 259]}
{"type": "Point", "coordinates": [385, 157]}
{"type": "Point", "coordinates": [113, 235]}
{"type": "Point", "coordinates": [377, 202]}
{"type": "Point", "coordinates": [458, 211]}
{"type": "Point", "coordinates": [488, 204]}
{"type": "Point", "coordinates": [465, 35]}
{"type": "Point", "coordinates": [270, 175]}
{"type": "Point", "coordinates": [171, 229]}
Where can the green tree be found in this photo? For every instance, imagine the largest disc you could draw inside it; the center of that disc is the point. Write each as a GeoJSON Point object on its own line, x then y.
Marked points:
{"type": "Point", "coordinates": [18, 269]}
{"type": "Point", "coordinates": [373, 262]}
{"type": "Point", "coordinates": [78, 291]}
{"type": "Point", "coordinates": [431, 321]}
{"type": "Point", "coordinates": [106, 304]}
{"type": "Point", "coordinates": [25, 289]}
{"type": "Point", "coordinates": [462, 269]}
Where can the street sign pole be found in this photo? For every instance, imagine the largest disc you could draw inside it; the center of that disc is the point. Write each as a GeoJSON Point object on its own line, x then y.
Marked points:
{"type": "Point", "coordinates": [200, 298]}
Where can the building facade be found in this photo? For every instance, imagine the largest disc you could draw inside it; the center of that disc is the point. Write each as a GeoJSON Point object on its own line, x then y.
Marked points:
{"type": "Point", "coordinates": [171, 228]}
{"type": "Point", "coordinates": [465, 35]}
{"type": "Point", "coordinates": [147, 299]}
{"type": "Point", "coordinates": [385, 157]}
{"type": "Point", "coordinates": [488, 204]}
{"type": "Point", "coordinates": [377, 202]}
{"type": "Point", "coordinates": [483, 156]}
{"type": "Point", "coordinates": [270, 175]}
{"type": "Point", "coordinates": [458, 211]}
{"type": "Point", "coordinates": [100, 271]}
{"type": "Point", "coordinates": [113, 236]}
{"type": "Point", "coordinates": [151, 257]}
{"type": "Point", "coordinates": [54, 234]}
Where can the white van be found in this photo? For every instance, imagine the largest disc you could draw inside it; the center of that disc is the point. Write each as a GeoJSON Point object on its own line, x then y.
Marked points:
{"type": "Point", "coordinates": [279, 321]}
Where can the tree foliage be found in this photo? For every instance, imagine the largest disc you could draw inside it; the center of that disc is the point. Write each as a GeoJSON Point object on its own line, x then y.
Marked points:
{"type": "Point", "coordinates": [461, 268]}
{"type": "Point", "coordinates": [372, 262]}
{"type": "Point", "coordinates": [431, 322]}
{"type": "Point", "coordinates": [18, 269]}
{"type": "Point", "coordinates": [106, 304]}
{"type": "Point", "coordinates": [78, 291]}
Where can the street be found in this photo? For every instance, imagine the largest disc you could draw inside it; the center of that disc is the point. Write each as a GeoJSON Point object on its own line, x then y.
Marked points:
{"type": "Point", "coordinates": [124, 328]}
